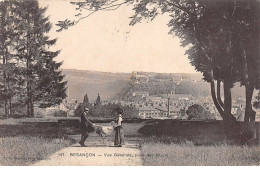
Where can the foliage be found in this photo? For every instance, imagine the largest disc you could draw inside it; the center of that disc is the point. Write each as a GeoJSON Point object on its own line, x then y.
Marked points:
{"type": "Point", "coordinates": [60, 113]}
{"type": "Point", "coordinates": [29, 72]}
{"type": "Point", "coordinates": [79, 110]}
{"type": "Point", "coordinates": [221, 36]}
{"type": "Point", "coordinates": [98, 101]}
{"type": "Point", "coordinates": [256, 104]}
{"type": "Point", "coordinates": [158, 88]}
{"type": "Point", "coordinates": [108, 111]}
{"type": "Point", "coordinates": [197, 112]}
{"type": "Point", "coordinates": [10, 83]}
{"type": "Point", "coordinates": [86, 103]}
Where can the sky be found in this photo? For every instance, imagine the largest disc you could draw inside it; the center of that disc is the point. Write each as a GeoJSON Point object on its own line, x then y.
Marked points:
{"type": "Point", "coordinates": [105, 42]}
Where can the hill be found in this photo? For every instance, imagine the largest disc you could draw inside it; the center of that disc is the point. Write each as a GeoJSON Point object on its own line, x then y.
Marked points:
{"type": "Point", "coordinates": [108, 85]}
{"type": "Point", "coordinates": [120, 85]}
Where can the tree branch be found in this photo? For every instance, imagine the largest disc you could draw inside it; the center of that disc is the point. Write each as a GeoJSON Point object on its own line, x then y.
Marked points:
{"type": "Point", "coordinates": [179, 7]}
{"type": "Point", "coordinates": [109, 7]}
{"type": "Point", "coordinates": [76, 22]}
{"type": "Point", "coordinates": [193, 15]}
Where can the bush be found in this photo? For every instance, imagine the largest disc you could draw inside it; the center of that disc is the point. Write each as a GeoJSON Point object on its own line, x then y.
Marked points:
{"type": "Point", "coordinates": [256, 105]}
{"type": "Point", "coordinates": [79, 110]}
{"type": "Point", "coordinates": [107, 111]}
{"type": "Point", "coordinates": [60, 113]}
{"type": "Point", "coordinates": [198, 112]}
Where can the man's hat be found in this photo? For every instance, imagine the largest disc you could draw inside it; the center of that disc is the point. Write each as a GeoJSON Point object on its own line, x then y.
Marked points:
{"type": "Point", "coordinates": [86, 109]}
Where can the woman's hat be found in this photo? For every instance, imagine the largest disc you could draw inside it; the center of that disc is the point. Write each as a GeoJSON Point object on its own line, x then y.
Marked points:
{"type": "Point", "coordinates": [119, 110]}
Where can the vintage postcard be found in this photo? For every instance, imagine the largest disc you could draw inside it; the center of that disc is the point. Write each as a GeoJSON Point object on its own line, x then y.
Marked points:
{"type": "Point", "coordinates": [129, 83]}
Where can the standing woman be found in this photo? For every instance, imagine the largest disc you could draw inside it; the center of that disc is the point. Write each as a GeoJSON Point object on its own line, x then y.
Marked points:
{"type": "Point", "coordinates": [119, 136]}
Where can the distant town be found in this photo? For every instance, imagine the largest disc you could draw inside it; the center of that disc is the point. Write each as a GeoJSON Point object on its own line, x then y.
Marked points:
{"type": "Point", "coordinates": [168, 104]}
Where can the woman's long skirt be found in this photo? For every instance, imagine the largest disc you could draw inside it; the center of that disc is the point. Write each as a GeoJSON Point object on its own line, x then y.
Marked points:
{"type": "Point", "coordinates": [119, 136]}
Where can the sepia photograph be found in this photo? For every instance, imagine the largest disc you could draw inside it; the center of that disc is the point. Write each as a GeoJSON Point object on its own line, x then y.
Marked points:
{"type": "Point", "coordinates": [129, 83]}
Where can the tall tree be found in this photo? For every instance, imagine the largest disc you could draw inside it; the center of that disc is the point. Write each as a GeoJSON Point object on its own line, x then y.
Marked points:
{"type": "Point", "coordinates": [86, 101]}
{"type": "Point", "coordinates": [214, 30]}
{"type": "Point", "coordinates": [3, 51]}
{"type": "Point", "coordinates": [247, 26]}
{"type": "Point", "coordinates": [44, 82]}
{"type": "Point", "coordinates": [225, 33]}
{"type": "Point", "coordinates": [189, 22]}
{"type": "Point", "coordinates": [98, 100]}
{"type": "Point", "coordinates": [9, 69]}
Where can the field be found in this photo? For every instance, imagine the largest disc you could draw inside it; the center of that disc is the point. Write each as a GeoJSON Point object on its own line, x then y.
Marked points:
{"type": "Point", "coordinates": [192, 143]}
{"type": "Point", "coordinates": [187, 154]}
{"type": "Point", "coordinates": [25, 150]}
{"type": "Point", "coordinates": [25, 141]}
{"type": "Point", "coordinates": [162, 142]}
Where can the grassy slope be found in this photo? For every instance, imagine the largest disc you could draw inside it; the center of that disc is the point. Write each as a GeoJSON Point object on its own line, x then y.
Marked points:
{"type": "Point", "coordinates": [193, 143]}
{"type": "Point", "coordinates": [187, 154]}
{"type": "Point", "coordinates": [171, 143]}
{"type": "Point", "coordinates": [25, 141]}
{"type": "Point", "coordinates": [25, 150]}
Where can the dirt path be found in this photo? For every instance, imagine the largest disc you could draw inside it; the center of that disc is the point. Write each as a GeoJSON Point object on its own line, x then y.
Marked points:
{"type": "Point", "coordinates": [95, 154]}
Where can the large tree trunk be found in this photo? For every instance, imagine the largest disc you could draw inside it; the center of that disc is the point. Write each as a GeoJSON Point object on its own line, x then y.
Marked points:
{"type": "Point", "coordinates": [9, 92]}
{"type": "Point", "coordinates": [218, 94]}
{"type": "Point", "coordinates": [28, 90]}
{"type": "Point", "coordinates": [28, 73]}
{"type": "Point", "coordinates": [215, 101]}
{"type": "Point", "coordinates": [28, 105]}
{"type": "Point", "coordinates": [213, 94]}
{"type": "Point", "coordinates": [10, 107]}
{"type": "Point", "coordinates": [5, 90]}
{"type": "Point", "coordinates": [32, 108]}
{"type": "Point", "coordinates": [5, 107]}
{"type": "Point", "coordinates": [249, 88]}
{"type": "Point", "coordinates": [3, 52]}
{"type": "Point", "coordinates": [228, 101]}
{"type": "Point", "coordinates": [258, 32]}
{"type": "Point", "coordinates": [249, 129]}
{"type": "Point", "coordinates": [229, 120]}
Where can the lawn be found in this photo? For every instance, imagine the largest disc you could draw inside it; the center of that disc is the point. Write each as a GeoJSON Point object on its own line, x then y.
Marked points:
{"type": "Point", "coordinates": [193, 143]}
{"type": "Point", "coordinates": [162, 142]}
{"type": "Point", "coordinates": [25, 141]}
{"type": "Point", "coordinates": [25, 150]}
{"type": "Point", "coordinates": [187, 154]}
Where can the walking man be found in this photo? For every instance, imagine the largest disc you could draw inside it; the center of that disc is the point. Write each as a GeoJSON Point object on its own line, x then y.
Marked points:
{"type": "Point", "coordinates": [85, 126]}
